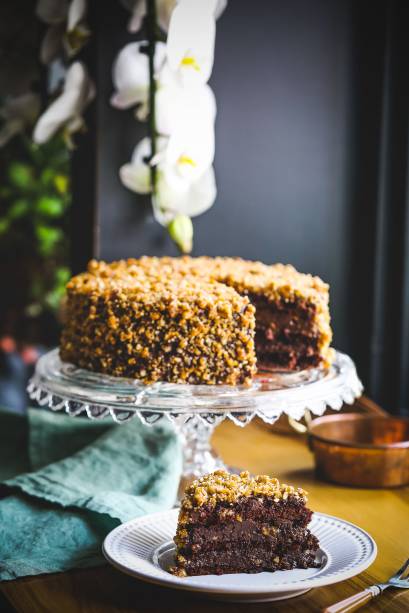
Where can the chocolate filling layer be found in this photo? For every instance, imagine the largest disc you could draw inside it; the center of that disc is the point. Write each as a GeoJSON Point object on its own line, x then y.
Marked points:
{"type": "Point", "coordinates": [286, 334]}
{"type": "Point", "coordinates": [289, 512]}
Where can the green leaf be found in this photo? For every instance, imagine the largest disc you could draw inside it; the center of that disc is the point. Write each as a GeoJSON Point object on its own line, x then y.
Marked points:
{"type": "Point", "coordinates": [49, 206]}
{"type": "Point", "coordinates": [4, 225]}
{"type": "Point", "coordinates": [19, 208]}
{"type": "Point", "coordinates": [48, 237]}
{"type": "Point", "coordinates": [62, 275]}
{"type": "Point", "coordinates": [53, 298]}
{"type": "Point", "coordinates": [47, 177]}
{"type": "Point", "coordinates": [20, 175]}
{"type": "Point", "coordinates": [61, 184]}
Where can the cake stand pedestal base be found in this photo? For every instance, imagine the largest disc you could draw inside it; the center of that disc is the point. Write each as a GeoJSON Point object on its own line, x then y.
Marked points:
{"type": "Point", "coordinates": [198, 455]}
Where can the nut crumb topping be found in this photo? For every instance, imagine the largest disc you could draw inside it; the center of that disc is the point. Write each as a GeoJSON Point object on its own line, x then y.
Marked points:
{"type": "Point", "coordinates": [221, 486]}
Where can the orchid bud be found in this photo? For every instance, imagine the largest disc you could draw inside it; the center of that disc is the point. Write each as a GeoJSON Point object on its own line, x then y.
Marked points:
{"type": "Point", "coordinates": [181, 232]}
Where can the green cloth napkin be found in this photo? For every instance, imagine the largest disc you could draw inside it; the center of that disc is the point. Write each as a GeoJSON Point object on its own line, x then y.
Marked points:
{"type": "Point", "coordinates": [66, 482]}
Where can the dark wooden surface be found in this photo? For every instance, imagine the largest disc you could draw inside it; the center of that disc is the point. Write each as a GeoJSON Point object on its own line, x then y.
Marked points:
{"type": "Point", "coordinates": [384, 513]}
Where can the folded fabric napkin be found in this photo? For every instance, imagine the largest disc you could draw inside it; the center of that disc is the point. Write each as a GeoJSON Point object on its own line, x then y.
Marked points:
{"type": "Point", "coordinates": [66, 482]}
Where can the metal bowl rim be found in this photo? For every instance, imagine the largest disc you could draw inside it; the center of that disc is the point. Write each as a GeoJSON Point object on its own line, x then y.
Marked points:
{"type": "Point", "coordinates": [355, 417]}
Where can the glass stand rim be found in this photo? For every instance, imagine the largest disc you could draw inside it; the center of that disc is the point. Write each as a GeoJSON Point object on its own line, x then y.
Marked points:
{"type": "Point", "coordinates": [59, 385]}
{"type": "Point", "coordinates": [194, 411]}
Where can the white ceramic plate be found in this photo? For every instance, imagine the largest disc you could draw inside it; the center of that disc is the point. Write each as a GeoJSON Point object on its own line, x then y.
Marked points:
{"type": "Point", "coordinates": [143, 547]}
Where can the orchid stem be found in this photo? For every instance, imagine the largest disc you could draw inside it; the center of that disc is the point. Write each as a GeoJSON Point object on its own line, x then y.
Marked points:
{"type": "Point", "coordinates": [151, 30]}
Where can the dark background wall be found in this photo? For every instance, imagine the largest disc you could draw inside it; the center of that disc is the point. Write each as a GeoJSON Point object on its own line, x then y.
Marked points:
{"type": "Point", "coordinates": [303, 93]}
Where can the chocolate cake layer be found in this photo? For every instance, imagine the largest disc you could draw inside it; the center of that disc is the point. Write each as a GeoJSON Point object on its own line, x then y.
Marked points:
{"type": "Point", "coordinates": [296, 543]}
{"type": "Point", "coordinates": [222, 543]}
{"type": "Point", "coordinates": [231, 523]}
{"type": "Point", "coordinates": [252, 560]}
{"type": "Point", "coordinates": [287, 337]}
{"type": "Point", "coordinates": [215, 537]}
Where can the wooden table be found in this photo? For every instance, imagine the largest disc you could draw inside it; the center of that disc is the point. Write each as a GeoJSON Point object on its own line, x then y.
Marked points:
{"type": "Point", "coordinates": [384, 513]}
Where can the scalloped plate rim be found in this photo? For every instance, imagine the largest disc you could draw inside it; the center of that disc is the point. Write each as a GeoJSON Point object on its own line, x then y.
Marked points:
{"type": "Point", "coordinates": [291, 589]}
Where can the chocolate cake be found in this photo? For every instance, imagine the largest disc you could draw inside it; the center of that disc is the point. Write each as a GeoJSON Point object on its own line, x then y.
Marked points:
{"type": "Point", "coordinates": [241, 524]}
{"type": "Point", "coordinates": [195, 320]}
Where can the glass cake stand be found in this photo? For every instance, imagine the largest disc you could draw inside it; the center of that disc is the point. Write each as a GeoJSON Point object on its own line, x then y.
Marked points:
{"type": "Point", "coordinates": [194, 410]}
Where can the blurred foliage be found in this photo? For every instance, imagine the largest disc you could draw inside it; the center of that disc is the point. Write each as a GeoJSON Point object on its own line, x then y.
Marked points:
{"type": "Point", "coordinates": [34, 201]}
{"type": "Point", "coordinates": [34, 190]}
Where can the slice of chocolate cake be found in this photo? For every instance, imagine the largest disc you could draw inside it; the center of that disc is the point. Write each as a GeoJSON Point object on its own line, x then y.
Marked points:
{"type": "Point", "coordinates": [241, 524]}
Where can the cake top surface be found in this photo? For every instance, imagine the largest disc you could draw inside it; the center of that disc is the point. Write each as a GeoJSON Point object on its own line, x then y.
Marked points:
{"type": "Point", "coordinates": [188, 277]}
{"type": "Point", "coordinates": [153, 283]}
{"type": "Point", "coordinates": [221, 486]}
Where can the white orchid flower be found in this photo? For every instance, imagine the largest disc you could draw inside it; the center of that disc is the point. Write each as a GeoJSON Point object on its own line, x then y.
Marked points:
{"type": "Point", "coordinates": [176, 197]}
{"type": "Point", "coordinates": [191, 39]}
{"type": "Point", "coordinates": [176, 106]}
{"type": "Point", "coordinates": [67, 29]}
{"type": "Point", "coordinates": [188, 153]}
{"type": "Point", "coordinates": [175, 194]}
{"type": "Point", "coordinates": [185, 111]}
{"type": "Point", "coordinates": [131, 77]}
{"type": "Point", "coordinates": [164, 9]}
{"type": "Point", "coordinates": [76, 14]}
{"type": "Point", "coordinates": [186, 116]}
{"type": "Point", "coordinates": [17, 113]}
{"type": "Point", "coordinates": [181, 158]}
{"type": "Point", "coordinates": [220, 6]}
{"type": "Point", "coordinates": [66, 111]}
{"type": "Point", "coordinates": [136, 175]}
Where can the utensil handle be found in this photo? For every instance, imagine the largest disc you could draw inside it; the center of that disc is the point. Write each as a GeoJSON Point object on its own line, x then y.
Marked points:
{"type": "Point", "coordinates": [355, 602]}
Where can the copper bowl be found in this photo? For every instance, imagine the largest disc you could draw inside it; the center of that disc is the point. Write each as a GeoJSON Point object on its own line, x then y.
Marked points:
{"type": "Point", "coordinates": [361, 450]}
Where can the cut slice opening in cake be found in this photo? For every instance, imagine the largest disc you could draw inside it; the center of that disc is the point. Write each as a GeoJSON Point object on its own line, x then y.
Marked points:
{"type": "Point", "coordinates": [286, 336]}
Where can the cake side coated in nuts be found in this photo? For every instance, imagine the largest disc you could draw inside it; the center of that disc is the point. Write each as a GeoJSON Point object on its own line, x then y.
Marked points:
{"type": "Point", "coordinates": [180, 329]}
